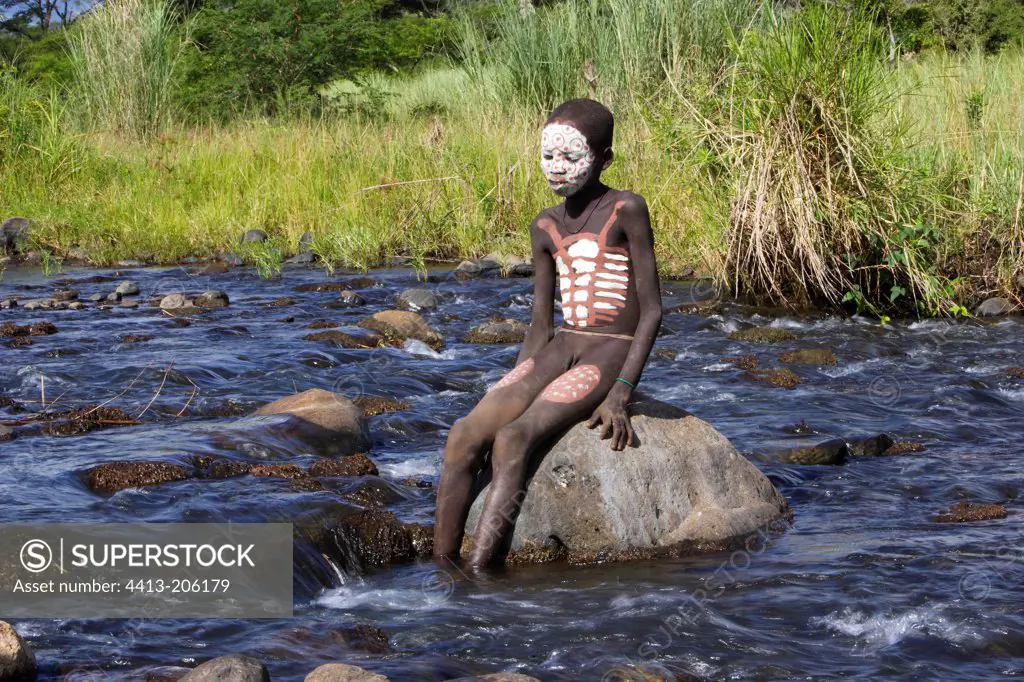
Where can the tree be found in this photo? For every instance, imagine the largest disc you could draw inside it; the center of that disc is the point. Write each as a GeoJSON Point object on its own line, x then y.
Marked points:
{"type": "Point", "coordinates": [34, 18]}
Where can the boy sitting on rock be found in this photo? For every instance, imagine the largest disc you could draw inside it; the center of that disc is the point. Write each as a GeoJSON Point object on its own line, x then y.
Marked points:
{"type": "Point", "coordinates": [599, 245]}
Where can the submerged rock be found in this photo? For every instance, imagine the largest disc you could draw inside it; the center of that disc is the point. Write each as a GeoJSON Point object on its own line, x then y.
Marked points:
{"type": "Point", "coordinates": [349, 299]}
{"type": "Point", "coordinates": [114, 476]}
{"type": "Point", "coordinates": [779, 377]}
{"type": "Point", "coordinates": [340, 672]}
{"type": "Point", "coordinates": [6, 433]}
{"type": "Point", "coordinates": [329, 421]}
{"type": "Point", "coordinates": [127, 288]}
{"type": "Point", "coordinates": [343, 340]}
{"type": "Point", "coordinates": [518, 677]}
{"type": "Point", "coordinates": [833, 452]}
{"type": "Point", "coordinates": [497, 331]}
{"type": "Point", "coordinates": [683, 489]}
{"type": "Point", "coordinates": [904, 447]}
{"type": "Point", "coordinates": [872, 446]}
{"type": "Point", "coordinates": [277, 471]}
{"type": "Point", "coordinates": [1015, 372]}
{"type": "Point", "coordinates": [317, 287]}
{"type": "Point", "coordinates": [810, 356]}
{"type": "Point", "coordinates": [17, 662]}
{"type": "Point", "coordinates": [762, 335]}
{"type": "Point", "coordinates": [233, 668]}
{"type": "Point", "coordinates": [993, 307]}
{"type": "Point", "coordinates": [364, 637]}
{"type": "Point", "coordinates": [398, 325]}
{"type": "Point", "coordinates": [371, 538]}
{"type": "Point", "coordinates": [964, 512]}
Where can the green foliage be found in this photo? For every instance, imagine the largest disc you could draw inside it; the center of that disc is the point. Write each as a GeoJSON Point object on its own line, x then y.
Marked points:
{"type": "Point", "coordinates": [273, 56]}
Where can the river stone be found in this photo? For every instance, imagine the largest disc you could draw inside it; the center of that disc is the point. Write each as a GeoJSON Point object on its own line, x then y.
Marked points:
{"type": "Point", "coordinates": [212, 299]}
{"type": "Point", "coordinates": [115, 476]}
{"type": "Point", "coordinates": [304, 258]}
{"type": "Point", "coordinates": [127, 288]}
{"type": "Point", "coordinates": [328, 420]}
{"type": "Point", "coordinates": [499, 677]}
{"type": "Point", "coordinates": [417, 299]}
{"type": "Point", "coordinates": [173, 302]}
{"type": "Point", "coordinates": [809, 356]}
{"type": "Point", "coordinates": [233, 668]}
{"type": "Point", "coordinates": [6, 433]}
{"type": "Point", "coordinates": [683, 489]}
{"type": "Point", "coordinates": [14, 235]}
{"type": "Point", "coordinates": [762, 335]}
{"type": "Point", "coordinates": [339, 672]}
{"type": "Point", "coordinates": [17, 662]}
{"type": "Point", "coordinates": [352, 465]}
{"type": "Point", "coordinates": [993, 307]}
{"type": "Point", "coordinates": [398, 325]}
{"type": "Point", "coordinates": [833, 452]}
{"type": "Point", "coordinates": [497, 331]}
{"type": "Point", "coordinates": [873, 446]}
{"type": "Point", "coordinates": [253, 237]}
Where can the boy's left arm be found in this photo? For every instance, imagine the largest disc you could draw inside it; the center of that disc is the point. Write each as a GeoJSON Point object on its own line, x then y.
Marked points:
{"type": "Point", "coordinates": [612, 413]}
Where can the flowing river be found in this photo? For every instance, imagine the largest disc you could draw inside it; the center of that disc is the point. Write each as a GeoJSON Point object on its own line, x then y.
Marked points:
{"type": "Point", "coordinates": [864, 585]}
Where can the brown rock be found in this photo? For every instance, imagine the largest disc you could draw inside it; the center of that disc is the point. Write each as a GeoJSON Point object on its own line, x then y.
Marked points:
{"type": "Point", "coordinates": [85, 419]}
{"type": "Point", "coordinates": [277, 471]}
{"type": "Point", "coordinates": [233, 668]}
{"type": "Point", "coordinates": [321, 324]}
{"type": "Point", "coordinates": [328, 421]}
{"type": "Point", "coordinates": [114, 476]}
{"type": "Point", "coordinates": [344, 340]}
{"type": "Point", "coordinates": [363, 637]}
{"type": "Point", "coordinates": [373, 492]}
{"type": "Point", "coordinates": [10, 329]}
{"type": "Point", "coordinates": [904, 447]}
{"type": "Point", "coordinates": [17, 662]}
{"type": "Point", "coordinates": [280, 302]}
{"type": "Point", "coordinates": [666, 353]}
{"type": "Point", "coordinates": [372, 405]}
{"type": "Point", "coordinates": [340, 672]}
{"type": "Point", "coordinates": [362, 282]}
{"type": "Point", "coordinates": [747, 362]}
{"type": "Point", "coordinates": [135, 338]}
{"type": "Point", "coordinates": [228, 468]}
{"type": "Point", "coordinates": [810, 356]}
{"type": "Point", "coordinates": [833, 452]}
{"type": "Point", "coordinates": [497, 331]}
{"type": "Point", "coordinates": [321, 286]}
{"type": "Point", "coordinates": [398, 325]}
{"type": "Point", "coordinates": [964, 512]}
{"type": "Point", "coordinates": [1016, 372]}
{"type": "Point", "coordinates": [762, 335]}
{"type": "Point", "coordinates": [779, 377]}
{"type": "Point", "coordinates": [20, 342]}
{"type": "Point", "coordinates": [353, 465]}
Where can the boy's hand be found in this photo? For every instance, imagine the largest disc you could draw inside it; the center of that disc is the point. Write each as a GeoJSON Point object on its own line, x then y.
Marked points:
{"type": "Point", "coordinates": [614, 420]}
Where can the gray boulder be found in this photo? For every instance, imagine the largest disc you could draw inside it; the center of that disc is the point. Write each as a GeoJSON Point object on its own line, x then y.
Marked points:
{"type": "Point", "coordinates": [993, 307]}
{"type": "Point", "coordinates": [127, 288]}
{"type": "Point", "coordinates": [212, 299]}
{"type": "Point", "coordinates": [14, 235]}
{"type": "Point", "coordinates": [680, 488]}
{"type": "Point", "coordinates": [174, 302]}
{"type": "Point", "coordinates": [17, 662]}
{"type": "Point", "coordinates": [233, 668]}
{"type": "Point", "coordinates": [303, 258]}
{"type": "Point", "coordinates": [253, 236]}
{"type": "Point", "coordinates": [417, 299]}
{"type": "Point", "coordinates": [339, 672]}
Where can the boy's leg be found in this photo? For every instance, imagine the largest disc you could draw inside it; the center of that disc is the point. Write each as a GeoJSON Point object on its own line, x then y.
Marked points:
{"type": "Point", "coordinates": [471, 437]}
{"type": "Point", "coordinates": [570, 398]}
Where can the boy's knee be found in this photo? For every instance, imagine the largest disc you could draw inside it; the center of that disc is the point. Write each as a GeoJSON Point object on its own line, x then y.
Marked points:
{"type": "Point", "coordinates": [510, 445]}
{"type": "Point", "coordinates": [465, 443]}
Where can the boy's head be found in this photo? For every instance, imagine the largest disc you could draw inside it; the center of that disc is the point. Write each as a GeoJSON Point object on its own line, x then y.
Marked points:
{"type": "Point", "coordinates": [576, 145]}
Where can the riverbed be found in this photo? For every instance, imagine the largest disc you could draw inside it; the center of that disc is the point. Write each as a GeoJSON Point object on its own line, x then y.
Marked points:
{"type": "Point", "coordinates": [864, 585]}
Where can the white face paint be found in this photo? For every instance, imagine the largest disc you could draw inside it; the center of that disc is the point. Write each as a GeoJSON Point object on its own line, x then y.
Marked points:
{"type": "Point", "coordinates": [566, 158]}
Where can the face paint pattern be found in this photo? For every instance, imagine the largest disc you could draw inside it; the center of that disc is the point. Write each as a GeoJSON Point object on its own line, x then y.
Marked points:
{"type": "Point", "coordinates": [566, 158]}
{"type": "Point", "coordinates": [514, 376]}
{"type": "Point", "coordinates": [574, 385]}
{"type": "Point", "coordinates": [593, 277]}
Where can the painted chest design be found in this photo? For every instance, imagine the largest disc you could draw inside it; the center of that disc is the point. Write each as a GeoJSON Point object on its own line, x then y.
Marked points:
{"type": "Point", "coordinates": [593, 277]}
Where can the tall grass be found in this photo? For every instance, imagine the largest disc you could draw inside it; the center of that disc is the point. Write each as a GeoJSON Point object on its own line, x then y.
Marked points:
{"type": "Point", "coordinates": [124, 55]}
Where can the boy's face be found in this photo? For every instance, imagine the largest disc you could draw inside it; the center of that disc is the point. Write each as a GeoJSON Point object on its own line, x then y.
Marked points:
{"type": "Point", "coordinates": [566, 158]}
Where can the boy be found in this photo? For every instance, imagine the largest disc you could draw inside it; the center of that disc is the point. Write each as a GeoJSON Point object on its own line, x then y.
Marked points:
{"type": "Point", "coordinates": [598, 247]}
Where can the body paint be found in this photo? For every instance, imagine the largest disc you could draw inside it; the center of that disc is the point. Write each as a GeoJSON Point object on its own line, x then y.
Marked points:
{"type": "Point", "coordinates": [514, 376]}
{"type": "Point", "coordinates": [574, 385]}
{"type": "Point", "coordinates": [566, 158]}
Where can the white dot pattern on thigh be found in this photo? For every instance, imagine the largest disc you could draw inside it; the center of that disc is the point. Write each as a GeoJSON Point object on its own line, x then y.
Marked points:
{"type": "Point", "coordinates": [514, 376]}
{"type": "Point", "coordinates": [574, 385]}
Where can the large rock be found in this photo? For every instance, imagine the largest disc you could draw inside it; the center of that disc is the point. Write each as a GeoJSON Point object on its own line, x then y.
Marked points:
{"type": "Point", "coordinates": [329, 421]}
{"type": "Point", "coordinates": [680, 488]}
{"type": "Point", "coordinates": [993, 307]}
{"type": "Point", "coordinates": [17, 662]}
{"type": "Point", "coordinates": [14, 236]}
{"type": "Point", "coordinates": [339, 672]}
{"type": "Point", "coordinates": [398, 325]}
{"type": "Point", "coordinates": [233, 668]}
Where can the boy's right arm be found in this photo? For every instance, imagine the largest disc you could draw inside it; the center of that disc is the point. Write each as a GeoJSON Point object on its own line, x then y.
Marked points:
{"type": "Point", "coordinates": [541, 325]}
